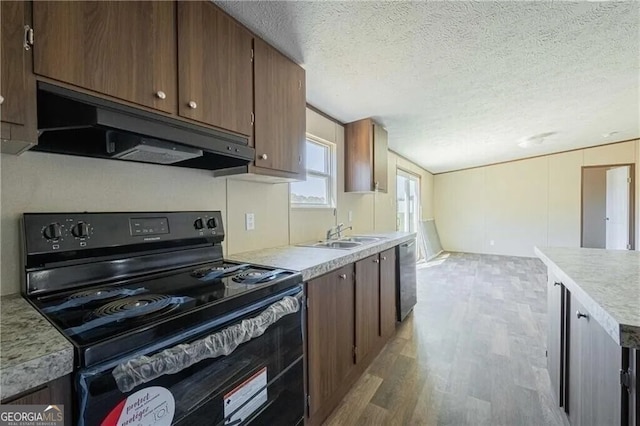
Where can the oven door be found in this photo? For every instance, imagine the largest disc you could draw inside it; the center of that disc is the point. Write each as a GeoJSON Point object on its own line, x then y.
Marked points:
{"type": "Point", "coordinates": [255, 374]}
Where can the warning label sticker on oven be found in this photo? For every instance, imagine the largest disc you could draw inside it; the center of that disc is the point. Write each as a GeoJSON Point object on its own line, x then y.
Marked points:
{"type": "Point", "coordinates": [246, 398]}
{"type": "Point", "coordinates": [152, 406]}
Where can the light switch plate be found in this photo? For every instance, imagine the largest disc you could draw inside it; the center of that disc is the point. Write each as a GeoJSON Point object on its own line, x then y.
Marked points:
{"type": "Point", "coordinates": [249, 221]}
{"type": "Point", "coordinates": [350, 216]}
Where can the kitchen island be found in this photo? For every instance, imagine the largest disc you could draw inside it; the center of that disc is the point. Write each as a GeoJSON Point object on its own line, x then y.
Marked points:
{"type": "Point", "coordinates": [593, 342]}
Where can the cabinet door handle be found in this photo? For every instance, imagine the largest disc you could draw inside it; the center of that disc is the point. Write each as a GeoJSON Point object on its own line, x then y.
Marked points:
{"type": "Point", "coordinates": [384, 257]}
{"type": "Point", "coordinates": [264, 156]}
{"type": "Point", "coordinates": [193, 105]}
{"type": "Point", "coordinates": [581, 315]}
{"type": "Point", "coordinates": [343, 276]}
{"type": "Point", "coordinates": [161, 95]}
{"type": "Point", "coordinates": [376, 260]}
{"type": "Point", "coordinates": [1, 99]}
{"type": "Point", "coordinates": [556, 283]}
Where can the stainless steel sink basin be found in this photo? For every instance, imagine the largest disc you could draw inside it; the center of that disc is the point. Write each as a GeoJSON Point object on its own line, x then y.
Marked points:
{"type": "Point", "coordinates": [338, 244]}
{"type": "Point", "coordinates": [345, 243]}
{"type": "Point", "coordinates": [361, 239]}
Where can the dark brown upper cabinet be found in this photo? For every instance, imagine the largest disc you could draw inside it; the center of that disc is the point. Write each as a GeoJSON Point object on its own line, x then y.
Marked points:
{"type": "Point", "coordinates": [215, 82]}
{"type": "Point", "coordinates": [126, 50]}
{"type": "Point", "coordinates": [17, 85]}
{"type": "Point", "coordinates": [365, 157]}
{"type": "Point", "coordinates": [280, 114]}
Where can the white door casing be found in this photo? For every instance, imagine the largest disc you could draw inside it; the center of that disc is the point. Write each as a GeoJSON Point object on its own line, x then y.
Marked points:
{"type": "Point", "coordinates": [617, 211]}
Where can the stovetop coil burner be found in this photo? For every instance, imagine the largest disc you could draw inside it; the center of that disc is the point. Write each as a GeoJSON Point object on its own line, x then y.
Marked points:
{"type": "Point", "coordinates": [256, 277]}
{"type": "Point", "coordinates": [96, 294]}
{"type": "Point", "coordinates": [135, 306]}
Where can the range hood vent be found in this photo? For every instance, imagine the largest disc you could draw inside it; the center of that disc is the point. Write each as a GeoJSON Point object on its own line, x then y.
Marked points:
{"type": "Point", "coordinates": [78, 124]}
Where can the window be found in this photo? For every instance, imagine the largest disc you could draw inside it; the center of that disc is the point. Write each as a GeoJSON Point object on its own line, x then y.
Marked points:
{"type": "Point", "coordinates": [320, 187]}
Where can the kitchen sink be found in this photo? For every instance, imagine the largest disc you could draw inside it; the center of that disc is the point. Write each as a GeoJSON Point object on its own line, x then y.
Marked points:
{"type": "Point", "coordinates": [345, 243]}
{"type": "Point", "coordinates": [361, 239]}
{"type": "Point", "coordinates": [337, 244]}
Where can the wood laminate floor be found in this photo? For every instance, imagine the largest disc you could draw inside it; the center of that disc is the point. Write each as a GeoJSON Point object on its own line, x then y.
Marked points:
{"type": "Point", "coordinates": [472, 352]}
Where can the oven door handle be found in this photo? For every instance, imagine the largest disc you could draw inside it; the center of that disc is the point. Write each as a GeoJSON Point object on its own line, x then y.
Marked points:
{"type": "Point", "coordinates": [143, 369]}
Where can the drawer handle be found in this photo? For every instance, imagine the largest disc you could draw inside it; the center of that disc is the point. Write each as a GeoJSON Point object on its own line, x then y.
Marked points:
{"type": "Point", "coordinates": [581, 315]}
{"type": "Point", "coordinates": [193, 105]}
{"type": "Point", "coordinates": [556, 283]}
{"type": "Point", "coordinates": [264, 156]}
{"type": "Point", "coordinates": [161, 95]}
{"type": "Point", "coordinates": [343, 276]}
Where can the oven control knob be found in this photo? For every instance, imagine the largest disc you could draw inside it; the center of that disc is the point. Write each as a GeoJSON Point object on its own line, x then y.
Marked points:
{"type": "Point", "coordinates": [52, 231]}
{"type": "Point", "coordinates": [80, 230]}
{"type": "Point", "coordinates": [199, 223]}
{"type": "Point", "coordinates": [212, 223]}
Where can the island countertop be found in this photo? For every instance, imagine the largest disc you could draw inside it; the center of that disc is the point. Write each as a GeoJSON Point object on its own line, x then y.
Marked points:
{"type": "Point", "coordinates": [315, 261]}
{"type": "Point", "coordinates": [606, 282]}
{"type": "Point", "coordinates": [32, 351]}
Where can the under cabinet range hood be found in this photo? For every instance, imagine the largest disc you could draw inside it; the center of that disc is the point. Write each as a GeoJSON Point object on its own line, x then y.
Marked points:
{"type": "Point", "coordinates": [78, 124]}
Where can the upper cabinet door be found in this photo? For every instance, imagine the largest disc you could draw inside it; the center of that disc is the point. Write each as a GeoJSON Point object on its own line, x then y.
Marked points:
{"type": "Point", "coordinates": [380, 146]}
{"type": "Point", "coordinates": [365, 157]}
{"type": "Point", "coordinates": [17, 86]}
{"type": "Point", "coordinates": [122, 49]}
{"type": "Point", "coordinates": [280, 102]}
{"type": "Point", "coordinates": [14, 57]}
{"type": "Point", "coordinates": [216, 74]}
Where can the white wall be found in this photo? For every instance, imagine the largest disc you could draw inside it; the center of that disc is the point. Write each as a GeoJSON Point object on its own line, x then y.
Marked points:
{"type": "Point", "coordinates": [38, 182]}
{"type": "Point", "coordinates": [520, 204]}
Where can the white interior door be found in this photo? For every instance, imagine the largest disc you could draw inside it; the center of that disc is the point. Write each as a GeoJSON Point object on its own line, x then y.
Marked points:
{"type": "Point", "coordinates": [617, 220]}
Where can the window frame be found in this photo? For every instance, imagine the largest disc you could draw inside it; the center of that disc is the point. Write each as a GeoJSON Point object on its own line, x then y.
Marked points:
{"type": "Point", "coordinates": [331, 176]}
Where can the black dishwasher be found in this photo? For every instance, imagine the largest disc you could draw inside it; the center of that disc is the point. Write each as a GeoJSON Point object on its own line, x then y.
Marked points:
{"type": "Point", "coordinates": [406, 289]}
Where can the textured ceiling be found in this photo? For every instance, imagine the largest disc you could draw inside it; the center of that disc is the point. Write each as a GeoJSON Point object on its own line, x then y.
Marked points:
{"type": "Point", "coordinates": [461, 84]}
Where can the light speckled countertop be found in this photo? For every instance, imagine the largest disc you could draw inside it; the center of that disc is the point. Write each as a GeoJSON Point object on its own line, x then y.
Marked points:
{"type": "Point", "coordinates": [606, 282]}
{"type": "Point", "coordinates": [313, 262]}
{"type": "Point", "coordinates": [32, 351]}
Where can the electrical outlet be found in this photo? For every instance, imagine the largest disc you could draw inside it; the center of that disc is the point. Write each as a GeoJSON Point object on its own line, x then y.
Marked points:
{"type": "Point", "coordinates": [249, 221]}
{"type": "Point", "coordinates": [350, 216]}
{"type": "Point", "coordinates": [492, 242]}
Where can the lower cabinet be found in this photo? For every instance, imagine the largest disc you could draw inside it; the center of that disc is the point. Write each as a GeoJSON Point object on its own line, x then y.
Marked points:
{"type": "Point", "coordinates": [388, 292]}
{"type": "Point", "coordinates": [556, 363]}
{"type": "Point", "coordinates": [330, 322]}
{"type": "Point", "coordinates": [350, 316]}
{"type": "Point", "coordinates": [56, 392]}
{"type": "Point", "coordinates": [367, 305]}
{"type": "Point", "coordinates": [592, 377]}
{"type": "Point", "coordinates": [595, 395]}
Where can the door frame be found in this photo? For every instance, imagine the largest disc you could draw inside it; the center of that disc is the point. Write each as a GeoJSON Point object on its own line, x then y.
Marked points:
{"type": "Point", "coordinates": [632, 199]}
{"type": "Point", "coordinates": [418, 193]}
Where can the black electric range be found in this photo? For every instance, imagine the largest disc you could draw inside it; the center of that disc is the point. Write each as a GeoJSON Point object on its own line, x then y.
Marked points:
{"type": "Point", "coordinates": [115, 282]}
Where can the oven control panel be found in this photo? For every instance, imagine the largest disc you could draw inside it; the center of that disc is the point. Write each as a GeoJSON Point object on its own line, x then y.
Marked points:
{"type": "Point", "coordinates": [57, 232]}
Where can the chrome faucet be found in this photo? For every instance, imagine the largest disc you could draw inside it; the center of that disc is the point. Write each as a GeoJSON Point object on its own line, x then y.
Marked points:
{"type": "Point", "coordinates": [339, 228]}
